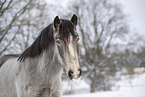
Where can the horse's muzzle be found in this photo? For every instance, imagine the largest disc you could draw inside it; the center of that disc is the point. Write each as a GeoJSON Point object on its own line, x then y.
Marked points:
{"type": "Point", "coordinates": [74, 75]}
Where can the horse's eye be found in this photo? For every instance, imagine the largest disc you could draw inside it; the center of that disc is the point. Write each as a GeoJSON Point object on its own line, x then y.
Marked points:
{"type": "Point", "coordinates": [56, 37]}
{"type": "Point", "coordinates": [78, 39]}
{"type": "Point", "coordinates": [57, 40]}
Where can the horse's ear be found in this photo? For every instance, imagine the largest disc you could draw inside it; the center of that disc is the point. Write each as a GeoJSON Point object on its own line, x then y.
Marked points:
{"type": "Point", "coordinates": [56, 21]}
{"type": "Point", "coordinates": [74, 19]}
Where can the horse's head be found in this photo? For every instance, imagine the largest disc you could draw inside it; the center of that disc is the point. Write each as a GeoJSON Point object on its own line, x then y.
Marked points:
{"type": "Point", "coordinates": [66, 39]}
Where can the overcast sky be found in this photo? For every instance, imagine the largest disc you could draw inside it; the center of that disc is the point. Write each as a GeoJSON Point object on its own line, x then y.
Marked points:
{"type": "Point", "coordinates": [135, 9]}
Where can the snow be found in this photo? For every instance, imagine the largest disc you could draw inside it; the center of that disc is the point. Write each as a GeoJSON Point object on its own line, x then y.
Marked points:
{"type": "Point", "coordinates": [76, 87]}
{"type": "Point", "coordinates": [126, 92]}
{"type": "Point", "coordinates": [137, 80]}
{"type": "Point", "coordinates": [126, 87]}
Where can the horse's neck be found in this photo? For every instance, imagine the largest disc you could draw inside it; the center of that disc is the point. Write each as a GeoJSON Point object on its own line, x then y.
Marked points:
{"type": "Point", "coordinates": [46, 65]}
{"type": "Point", "coordinates": [48, 62]}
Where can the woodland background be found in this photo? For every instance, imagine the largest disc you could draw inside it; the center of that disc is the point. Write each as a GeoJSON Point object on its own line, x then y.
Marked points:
{"type": "Point", "coordinates": [107, 43]}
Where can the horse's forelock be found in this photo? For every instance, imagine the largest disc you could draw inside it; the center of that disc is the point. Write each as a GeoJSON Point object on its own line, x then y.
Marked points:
{"type": "Point", "coordinates": [66, 29]}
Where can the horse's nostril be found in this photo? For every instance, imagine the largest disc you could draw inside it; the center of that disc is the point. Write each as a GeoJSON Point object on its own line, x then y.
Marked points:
{"type": "Point", "coordinates": [70, 74]}
{"type": "Point", "coordinates": [74, 75]}
{"type": "Point", "coordinates": [79, 72]}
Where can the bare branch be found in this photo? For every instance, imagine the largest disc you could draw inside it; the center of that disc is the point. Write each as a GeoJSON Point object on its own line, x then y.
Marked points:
{"type": "Point", "coordinates": [17, 15]}
{"type": "Point", "coordinates": [2, 5]}
{"type": "Point", "coordinates": [2, 11]}
{"type": "Point", "coordinates": [10, 42]}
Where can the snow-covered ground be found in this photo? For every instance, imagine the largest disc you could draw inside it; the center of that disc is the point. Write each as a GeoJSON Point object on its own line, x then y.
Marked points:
{"type": "Point", "coordinates": [127, 87]}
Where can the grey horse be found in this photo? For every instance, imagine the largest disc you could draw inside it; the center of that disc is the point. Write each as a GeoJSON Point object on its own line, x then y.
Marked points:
{"type": "Point", "coordinates": [37, 71]}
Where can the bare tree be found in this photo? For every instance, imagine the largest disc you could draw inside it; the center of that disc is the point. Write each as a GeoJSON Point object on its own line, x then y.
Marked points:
{"type": "Point", "coordinates": [6, 6]}
{"type": "Point", "coordinates": [20, 21]}
{"type": "Point", "coordinates": [100, 23]}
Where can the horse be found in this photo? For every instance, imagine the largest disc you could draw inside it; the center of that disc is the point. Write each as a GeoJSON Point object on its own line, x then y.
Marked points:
{"type": "Point", "coordinates": [37, 71]}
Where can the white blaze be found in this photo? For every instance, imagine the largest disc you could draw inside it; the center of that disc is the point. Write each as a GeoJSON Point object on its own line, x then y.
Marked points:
{"type": "Point", "coordinates": [73, 56]}
{"type": "Point", "coordinates": [71, 49]}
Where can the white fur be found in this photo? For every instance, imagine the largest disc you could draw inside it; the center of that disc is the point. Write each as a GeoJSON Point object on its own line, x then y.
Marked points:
{"type": "Point", "coordinates": [26, 79]}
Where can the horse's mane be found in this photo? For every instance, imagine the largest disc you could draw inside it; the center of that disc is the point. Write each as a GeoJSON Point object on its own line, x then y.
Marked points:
{"type": "Point", "coordinates": [43, 41]}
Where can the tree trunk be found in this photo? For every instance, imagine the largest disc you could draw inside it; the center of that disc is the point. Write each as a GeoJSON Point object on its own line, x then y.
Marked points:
{"type": "Point", "coordinates": [93, 83]}
{"type": "Point", "coordinates": [92, 86]}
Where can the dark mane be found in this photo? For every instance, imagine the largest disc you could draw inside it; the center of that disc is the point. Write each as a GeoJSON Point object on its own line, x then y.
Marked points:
{"type": "Point", "coordinates": [43, 41]}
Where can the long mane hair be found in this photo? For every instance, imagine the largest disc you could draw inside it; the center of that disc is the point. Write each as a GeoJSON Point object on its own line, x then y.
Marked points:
{"type": "Point", "coordinates": [46, 38]}
{"type": "Point", "coordinates": [43, 41]}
